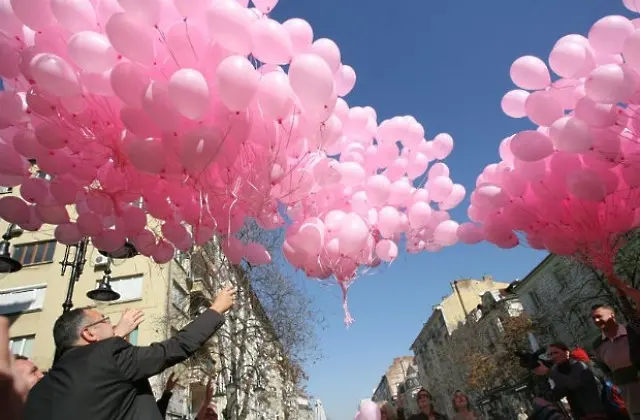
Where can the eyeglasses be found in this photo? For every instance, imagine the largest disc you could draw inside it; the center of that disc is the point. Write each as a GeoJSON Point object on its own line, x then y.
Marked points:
{"type": "Point", "coordinates": [106, 319]}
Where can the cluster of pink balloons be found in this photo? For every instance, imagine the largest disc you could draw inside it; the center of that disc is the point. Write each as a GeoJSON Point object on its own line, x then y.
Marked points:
{"type": "Point", "coordinates": [572, 185]}
{"type": "Point", "coordinates": [368, 410]}
{"type": "Point", "coordinates": [165, 122]}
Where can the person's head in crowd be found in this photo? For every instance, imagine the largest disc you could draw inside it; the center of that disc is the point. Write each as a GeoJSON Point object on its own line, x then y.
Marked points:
{"type": "Point", "coordinates": [210, 413]}
{"type": "Point", "coordinates": [460, 401]}
{"type": "Point", "coordinates": [80, 327]}
{"type": "Point", "coordinates": [603, 316]}
{"type": "Point", "coordinates": [28, 371]}
{"type": "Point", "coordinates": [425, 401]}
{"type": "Point", "coordinates": [387, 412]}
{"type": "Point", "coordinates": [559, 353]}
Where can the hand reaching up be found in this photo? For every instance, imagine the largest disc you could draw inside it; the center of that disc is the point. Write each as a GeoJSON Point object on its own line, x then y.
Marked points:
{"type": "Point", "coordinates": [129, 321]}
{"type": "Point", "coordinates": [12, 387]}
{"type": "Point", "coordinates": [172, 381]}
{"type": "Point", "coordinates": [224, 300]}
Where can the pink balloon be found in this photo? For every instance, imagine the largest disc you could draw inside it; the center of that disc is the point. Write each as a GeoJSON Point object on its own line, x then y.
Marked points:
{"type": "Point", "coordinates": [55, 75]}
{"type": "Point", "coordinates": [74, 15]}
{"type": "Point", "coordinates": [442, 146]}
{"type": "Point", "coordinates": [14, 210]}
{"type": "Point", "coordinates": [542, 108]}
{"type": "Point", "coordinates": [513, 103]}
{"type": "Point", "coordinates": [237, 82]}
{"type": "Point", "coordinates": [345, 80]}
{"type": "Point", "coordinates": [457, 195]}
{"type": "Point", "coordinates": [189, 93]}
{"type": "Point", "coordinates": [229, 25]}
{"type": "Point", "coordinates": [531, 146]}
{"type": "Point", "coordinates": [530, 73]}
{"type": "Point", "coordinates": [571, 135]}
{"type": "Point", "coordinates": [147, 11]}
{"type": "Point", "coordinates": [387, 250]}
{"type": "Point", "coordinates": [571, 59]}
{"type": "Point", "coordinates": [256, 254]}
{"type": "Point", "coordinates": [439, 188]}
{"type": "Point", "coordinates": [446, 233]}
{"type": "Point", "coordinates": [90, 224]}
{"type": "Point", "coordinates": [145, 242]}
{"type": "Point", "coordinates": [129, 82]}
{"type": "Point", "coordinates": [596, 114]}
{"type": "Point", "coordinates": [587, 185]}
{"type": "Point", "coordinates": [469, 233]}
{"type": "Point", "coordinates": [631, 50]}
{"type": "Point", "coordinates": [52, 214]}
{"type": "Point", "coordinates": [353, 173]}
{"type": "Point", "coordinates": [35, 14]}
{"type": "Point", "coordinates": [328, 51]}
{"type": "Point", "coordinates": [388, 221]}
{"type": "Point", "coordinates": [419, 214]}
{"type": "Point", "coordinates": [147, 155]}
{"type": "Point", "coordinates": [68, 234]}
{"type": "Point", "coordinates": [275, 96]}
{"type": "Point", "coordinates": [92, 51]}
{"type": "Point", "coordinates": [312, 80]}
{"type": "Point", "coordinates": [265, 6]}
{"type": "Point", "coordinates": [301, 34]}
{"type": "Point", "coordinates": [353, 234]}
{"type": "Point", "coordinates": [610, 83]}
{"type": "Point", "coordinates": [378, 190]}
{"type": "Point", "coordinates": [271, 42]}
{"type": "Point", "coordinates": [163, 252]}
{"type": "Point", "coordinates": [131, 38]}
{"type": "Point", "coordinates": [609, 34]}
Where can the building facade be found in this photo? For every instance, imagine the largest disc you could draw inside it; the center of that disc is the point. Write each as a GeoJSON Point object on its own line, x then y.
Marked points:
{"type": "Point", "coordinates": [254, 381]}
{"type": "Point", "coordinates": [445, 318]}
{"type": "Point", "coordinates": [387, 389]}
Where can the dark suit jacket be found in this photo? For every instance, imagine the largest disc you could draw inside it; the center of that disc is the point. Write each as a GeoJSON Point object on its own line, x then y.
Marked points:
{"type": "Point", "coordinates": [108, 380]}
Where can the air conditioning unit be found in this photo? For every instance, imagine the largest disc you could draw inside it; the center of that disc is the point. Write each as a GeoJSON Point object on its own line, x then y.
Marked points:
{"type": "Point", "coordinates": [100, 260]}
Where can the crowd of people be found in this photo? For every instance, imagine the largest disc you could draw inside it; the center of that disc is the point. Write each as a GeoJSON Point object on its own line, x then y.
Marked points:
{"type": "Point", "coordinates": [97, 374]}
{"type": "Point", "coordinates": [569, 383]}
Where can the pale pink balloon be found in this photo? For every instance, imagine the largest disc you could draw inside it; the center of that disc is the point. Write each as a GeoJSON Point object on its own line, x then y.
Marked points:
{"type": "Point", "coordinates": [275, 96]}
{"type": "Point", "coordinates": [131, 38]}
{"type": "Point", "coordinates": [418, 164]}
{"type": "Point", "coordinates": [631, 50]}
{"type": "Point", "coordinates": [157, 104]}
{"type": "Point", "coordinates": [92, 51]}
{"type": "Point", "coordinates": [457, 195]}
{"type": "Point", "coordinates": [530, 146]}
{"type": "Point", "coordinates": [442, 146]}
{"type": "Point", "coordinates": [55, 75]}
{"type": "Point", "coordinates": [586, 184]}
{"type": "Point", "coordinates": [438, 169]}
{"type": "Point", "coordinates": [470, 233]}
{"type": "Point", "coordinates": [312, 80]}
{"type": "Point", "coordinates": [329, 51]}
{"type": "Point", "coordinates": [387, 250]}
{"type": "Point", "coordinates": [301, 34]}
{"type": "Point", "coordinates": [189, 93]}
{"type": "Point", "coordinates": [265, 6]}
{"type": "Point", "coordinates": [419, 214]}
{"type": "Point", "coordinates": [610, 83]}
{"type": "Point", "coordinates": [446, 233]}
{"type": "Point", "coordinates": [271, 42]}
{"type": "Point", "coordinates": [401, 190]}
{"type": "Point", "coordinates": [10, 24]}
{"type": "Point", "coordinates": [567, 92]}
{"type": "Point", "coordinates": [229, 25]}
{"type": "Point", "coordinates": [147, 155]}
{"type": "Point", "coordinates": [200, 147]}
{"type": "Point", "coordinates": [608, 34]}
{"type": "Point", "coordinates": [14, 210]}
{"type": "Point", "coordinates": [505, 150]}
{"type": "Point", "coordinates": [9, 61]}
{"type": "Point", "coordinates": [439, 188]}
{"type": "Point", "coordinates": [345, 80]}
{"type": "Point", "coordinates": [35, 14]}
{"type": "Point", "coordinates": [129, 82]}
{"type": "Point", "coordinates": [148, 11]}
{"type": "Point", "coordinates": [26, 143]}
{"type": "Point", "coordinates": [237, 82]}
{"type": "Point", "coordinates": [596, 114]}
{"type": "Point", "coordinates": [571, 59]}
{"type": "Point", "coordinates": [11, 163]}
{"type": "Point", "coordinates": [13, 108]}
{"type": "Point", "coordinates": [513, 103]}
{"type": "Point", "coordinates": [353, 173]}
{"type": "Point", "coordinates": [633, 5]}
{"type": "Point", "coordinates": [542, 108]}
{"type": "Point", "coordinates": [353, 234]}
{"type": "Point", "coordinates": [67, 234]}
{"type": "Point", "coordinates": [531, 73]}
{"type": "Point", "coordinates": [388, 221]}
{"type": "Point", "coordinates": [191, 8]}
{"type": "Point", "coordinates": [378, 189]}
{"type": "Point", "coordinates": [75, 15]}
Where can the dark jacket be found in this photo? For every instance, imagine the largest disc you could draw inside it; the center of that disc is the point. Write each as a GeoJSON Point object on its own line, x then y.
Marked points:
{"type": "Point", "coordinates": [578, 383]}
{"type": "Point", "coordinates": [420, 416]}
{"type": "Point", "coordinates": [108, 380]}
{"type": "Point", "coordinates": [549, 412]}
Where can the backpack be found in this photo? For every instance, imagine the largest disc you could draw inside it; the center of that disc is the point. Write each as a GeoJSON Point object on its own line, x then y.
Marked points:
{"type": "Point", "coordinates": [613, 402]}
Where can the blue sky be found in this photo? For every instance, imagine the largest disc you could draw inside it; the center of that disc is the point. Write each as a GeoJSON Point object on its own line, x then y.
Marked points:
{"type": "Point", "coordinates": [447, 63]}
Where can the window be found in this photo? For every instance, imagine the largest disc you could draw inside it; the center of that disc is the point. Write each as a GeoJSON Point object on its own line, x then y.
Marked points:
{"type": "Point", "coordinates": [130, 288]}
{"type": "Point", "coordinates": [22, 300]}
{"type": "Point", "coordinates": [43, 175]}
{"type": "Point", "coordinates": [35, 253]}
{"type": "Point", "coordinates": [133, 337]}
{"type": "Point", "coordinates": [22, 346]}
{"type": "Point", "coordinates": [5, 190]}
{"type": "Point", "coordinates": [179, 297]}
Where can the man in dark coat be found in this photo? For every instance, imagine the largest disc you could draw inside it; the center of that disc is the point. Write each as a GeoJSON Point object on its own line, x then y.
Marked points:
{"type": "Point", "coordinates": [102, 377]}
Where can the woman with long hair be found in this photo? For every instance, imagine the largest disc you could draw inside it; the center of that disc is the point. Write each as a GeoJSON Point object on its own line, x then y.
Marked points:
{"type": "Point", "coordinates": [462, 407]}
{"type": "Point", "coordinates": [387, 412]}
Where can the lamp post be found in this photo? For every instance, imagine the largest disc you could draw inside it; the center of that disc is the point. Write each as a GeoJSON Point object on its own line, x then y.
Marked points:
{"type": "Point", "coordinates": [77, 265]}
{"type": "Point", "coordinates": [104, 292]}
{"type": "Point", "coordinates": [7, 263]}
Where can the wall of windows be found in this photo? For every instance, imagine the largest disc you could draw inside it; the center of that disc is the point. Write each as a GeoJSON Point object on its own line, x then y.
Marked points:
{"type": "Point", "coordinates": [14, 301]}
{"type": "Point", "coordinates": [35, 253]}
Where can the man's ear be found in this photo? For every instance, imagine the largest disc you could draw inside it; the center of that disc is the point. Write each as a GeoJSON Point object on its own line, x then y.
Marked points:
{"type": "Point", "coordinates": [88, 336]}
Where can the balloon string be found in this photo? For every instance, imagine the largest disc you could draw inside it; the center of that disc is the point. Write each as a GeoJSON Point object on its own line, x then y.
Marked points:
{"type": "Point", "coordinates": [348, 319]}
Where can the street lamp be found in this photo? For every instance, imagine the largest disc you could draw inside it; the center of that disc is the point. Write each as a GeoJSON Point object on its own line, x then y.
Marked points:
{"type": "Point", "coordinates": [126, 251]}
{"type": "Point", "coordinates": [7, 263]}
{"type": "Point", "coordinates": [104, 292]}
